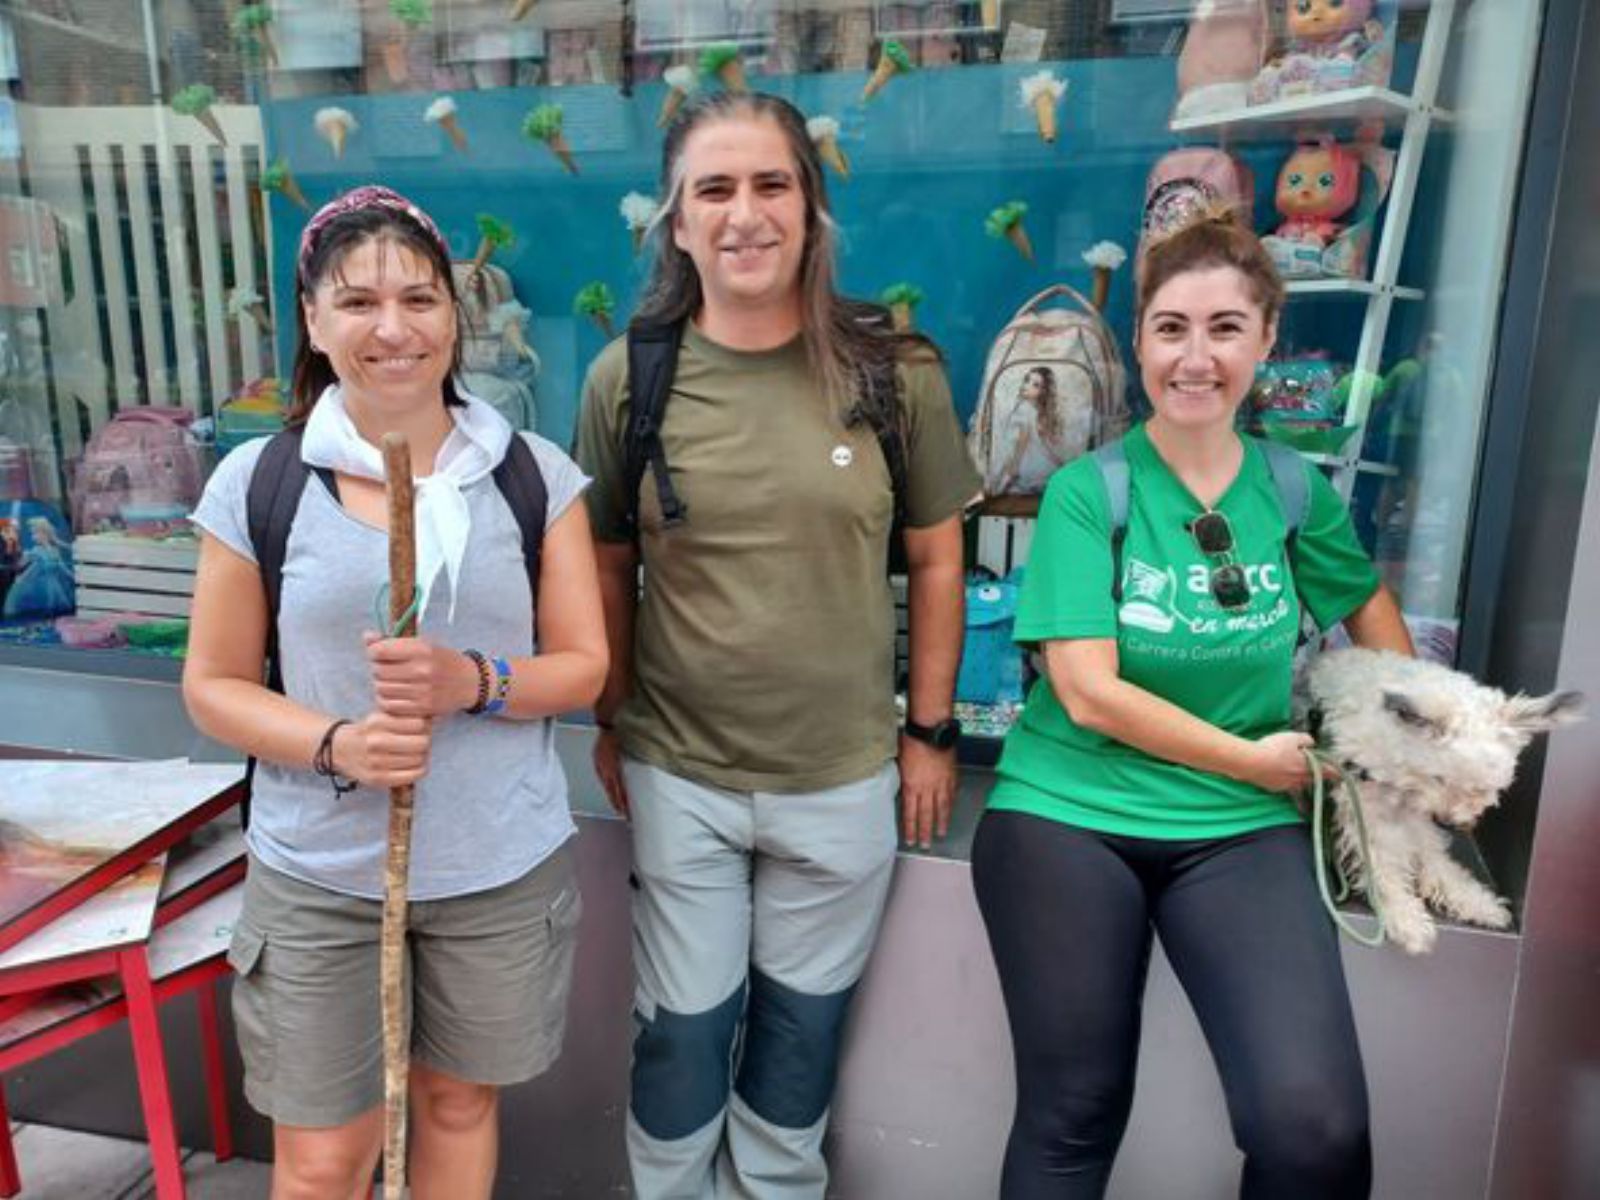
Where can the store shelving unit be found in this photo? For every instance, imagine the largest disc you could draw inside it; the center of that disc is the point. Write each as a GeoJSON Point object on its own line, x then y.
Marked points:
{"type": "Point", "coordinates": [1415, 116]}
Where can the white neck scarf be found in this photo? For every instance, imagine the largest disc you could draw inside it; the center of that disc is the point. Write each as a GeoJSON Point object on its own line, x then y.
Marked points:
{"type": "Point", "coordinates": [473, 449]}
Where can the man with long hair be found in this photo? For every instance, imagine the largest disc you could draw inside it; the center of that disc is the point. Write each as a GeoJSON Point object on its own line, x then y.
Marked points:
{"type": "Point", "coordinates": [747, 727]}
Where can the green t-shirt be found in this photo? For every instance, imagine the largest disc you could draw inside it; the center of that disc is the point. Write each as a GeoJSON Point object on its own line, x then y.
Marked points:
{"type": "Point", "coordinates": [1231, 668]}
{"type": "Point", "coordinates": [764, 639]}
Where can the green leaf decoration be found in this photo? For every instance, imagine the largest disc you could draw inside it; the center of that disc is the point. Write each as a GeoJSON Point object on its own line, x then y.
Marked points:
{"type": "Point", "coordinates": [251, 18]}
{"type": "Point", "coordinates": [713, 58]}
{"type": "Point", "coordinates": [999, 222]}
{"type": "Point", "coordinates": [496, 232]}
{"type": "Point", "coordinates": [194, 99]}
{"type": "Point", "coordinates": [894, 51]}
{"type": "Point", "coordinates": [594, 300]}
{"type": "Point", "coordinates": [414, 13]}
{"type": "Point", "coordinates": [908, 294]}
{"type": "Point", "coordinates": [275, 176]}
{"type": "Point", "coordinates": [543, 123]}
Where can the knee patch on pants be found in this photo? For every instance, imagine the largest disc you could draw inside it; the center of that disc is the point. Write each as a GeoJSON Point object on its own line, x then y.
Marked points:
{"type": "Point", "coordinates": [681, 1065]}
{"type": "Point", "coordinates": [791, 1052]}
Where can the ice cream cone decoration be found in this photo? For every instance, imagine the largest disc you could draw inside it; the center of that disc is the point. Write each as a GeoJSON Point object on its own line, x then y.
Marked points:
{"type": "Point", "coordinates": [681, 83]}
{"type": "Point", "coordinates": [1104, 258]}
{"type": "Point", "coordinates": [442, 112]}
{"type": "Point", "coordinates": [594, 300]}
{"type": "Point", "coordinates": [901, 299]}
{"type": "Point", "coordinates": [412, 15]}
{"type": "Point", "coordinates": [1006, 222]}
{"type": "Point", "coordinates": [510, 320]}
{"type": "Point", "coordinates": [824, 133]}
{"type": "Point", "coordinates": [521, 9]}
{"type": "Point", "coordinates": [493, 234]}
{"type": "Point", "coordinates": [278, 178]}
{"type": "Point", "coordinates": [723, 61]}
{"type": "Point", "coordinates": [335, 125]}
{"type": "Point", "coordinates": [891, 62]}
{"type": "Point", "coordinates": [243, 302]}
{"type": "Point", "coordinates": [1042, 93]}
{"type": "Point", "coordinates": [543, 124]}
{"type": "Point", "coordinates": [252, 27]}
{"type": "Point", "coordinates": [638, 212]}
{"type": "Point", "coordinates": [196, 101]}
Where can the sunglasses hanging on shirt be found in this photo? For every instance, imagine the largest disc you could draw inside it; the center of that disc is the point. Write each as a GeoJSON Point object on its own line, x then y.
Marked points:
{"type": "Point", "coordinates": [1213, 536]}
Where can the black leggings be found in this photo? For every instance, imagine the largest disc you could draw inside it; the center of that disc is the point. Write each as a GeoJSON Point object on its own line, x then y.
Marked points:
{"type": "Point", "coordinates": [1070, 913]}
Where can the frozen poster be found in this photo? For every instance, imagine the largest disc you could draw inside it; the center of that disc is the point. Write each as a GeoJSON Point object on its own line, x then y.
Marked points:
{"type": "Point", "coordinates": [36, 577]}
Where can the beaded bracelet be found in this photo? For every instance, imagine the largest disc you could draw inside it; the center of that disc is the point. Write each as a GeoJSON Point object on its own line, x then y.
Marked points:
{"type": "Point", "coordinates": [485, 682]}
{"type": "Point", "coordinates": [502, 688]}
{"type": "Point", "coordinates": [322, 762]}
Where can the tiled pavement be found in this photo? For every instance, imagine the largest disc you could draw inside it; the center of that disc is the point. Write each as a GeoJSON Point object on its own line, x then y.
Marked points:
{"type": "Point", "coordinates": [62, 1164]}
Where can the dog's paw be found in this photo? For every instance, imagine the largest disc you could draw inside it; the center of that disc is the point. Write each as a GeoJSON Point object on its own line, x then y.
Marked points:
{"type": "Point", "coordinates": [1487, 910]}
{"type": "Point", "coordinates": [1413, 933]}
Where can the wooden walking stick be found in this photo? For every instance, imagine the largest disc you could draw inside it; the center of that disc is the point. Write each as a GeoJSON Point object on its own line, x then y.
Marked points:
{"type": "Point", "coordinates": [397, 866]}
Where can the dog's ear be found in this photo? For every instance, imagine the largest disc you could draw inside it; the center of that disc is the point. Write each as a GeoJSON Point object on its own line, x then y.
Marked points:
{"type": "Point", "coordinates": [1407, 713]}
{"type": "Point", "coordinates": [1535, 714]}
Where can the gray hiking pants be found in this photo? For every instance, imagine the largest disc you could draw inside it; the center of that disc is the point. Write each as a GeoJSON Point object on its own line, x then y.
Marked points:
{"type": "Point", "coordinates": [753, 916]}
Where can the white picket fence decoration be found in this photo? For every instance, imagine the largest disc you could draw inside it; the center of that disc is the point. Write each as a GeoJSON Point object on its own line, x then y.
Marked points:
{"type": "Point", "coordinates": [166, 214]}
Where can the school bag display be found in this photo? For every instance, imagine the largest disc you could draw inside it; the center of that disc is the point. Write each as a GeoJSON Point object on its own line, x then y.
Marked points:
{"type": "Point", "coordinates": [991, 663]}
{"type": "Point", "coordinates": [1054, 387]}
{"type": "Point", "coordinates": [1187, 182]}
{"type": "Point", "coordinates": [497, 364]}
{"type": "Point", "coordinates": [143, 461]}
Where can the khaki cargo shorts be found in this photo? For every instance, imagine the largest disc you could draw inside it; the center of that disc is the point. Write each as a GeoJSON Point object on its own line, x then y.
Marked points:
{"type": "Point", "coordinates": [489, 972]}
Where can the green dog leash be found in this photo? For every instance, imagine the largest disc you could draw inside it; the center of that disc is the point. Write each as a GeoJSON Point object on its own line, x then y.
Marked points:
{"type": "Point", "coordinates": [1323, 865]}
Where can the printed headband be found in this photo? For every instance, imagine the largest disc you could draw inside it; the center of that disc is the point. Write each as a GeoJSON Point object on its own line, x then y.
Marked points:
{"type": "Point", "coordinates": [359, 200]}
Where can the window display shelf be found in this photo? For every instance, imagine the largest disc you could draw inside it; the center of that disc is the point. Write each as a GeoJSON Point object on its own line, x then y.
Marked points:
{"type": "Point", "coordinates": [1353, 289]}
{"type": "Point", "coordinates": [1283, 119]}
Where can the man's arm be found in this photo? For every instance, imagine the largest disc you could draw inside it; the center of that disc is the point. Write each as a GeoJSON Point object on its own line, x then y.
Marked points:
{"type": "Point", "coordinates": [937, 604]}
{"type": "Point", "coordinates": [619, 575]}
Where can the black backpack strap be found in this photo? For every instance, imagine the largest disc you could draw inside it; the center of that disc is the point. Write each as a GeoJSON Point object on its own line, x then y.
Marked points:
{"type": "Point", "coordinates": [276, 484]}
{"type": "Point", "coordinates": [886, 416]}
{"type": "Point", "coordinates": [522, 484]}
{"type": "Point", "coordinates": [652, 363]}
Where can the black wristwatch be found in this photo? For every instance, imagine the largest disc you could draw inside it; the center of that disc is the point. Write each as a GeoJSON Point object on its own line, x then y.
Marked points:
{"type": "Point", "coordinates": [941, 735]}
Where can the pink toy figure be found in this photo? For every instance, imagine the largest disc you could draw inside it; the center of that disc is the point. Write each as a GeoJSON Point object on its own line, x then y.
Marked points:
{"type": "Point", "coordinates": [1319, 183]}
{"type": "Point", "coordinates": [1332, 28]}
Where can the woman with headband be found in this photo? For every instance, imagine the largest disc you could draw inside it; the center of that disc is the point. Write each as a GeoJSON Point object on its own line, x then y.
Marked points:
{"type": "Point", "coordinates": [461, 710]}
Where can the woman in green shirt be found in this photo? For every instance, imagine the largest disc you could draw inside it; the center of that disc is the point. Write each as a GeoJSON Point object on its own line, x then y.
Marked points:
{"type": "Point", "coordinates": [1146, 788]}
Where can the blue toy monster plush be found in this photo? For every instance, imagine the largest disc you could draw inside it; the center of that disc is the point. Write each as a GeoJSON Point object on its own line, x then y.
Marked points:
{"type": "Point", "coordinates": [991, 664]}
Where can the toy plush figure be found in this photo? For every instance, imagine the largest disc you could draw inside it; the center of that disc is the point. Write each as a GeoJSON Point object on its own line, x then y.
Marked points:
{"type": "Point", "coordinates": [1319, 184]}
{"type": "Point", "coordinates": [1330, 45]}
{"type": "Point", "coordinates": [1332, 27]}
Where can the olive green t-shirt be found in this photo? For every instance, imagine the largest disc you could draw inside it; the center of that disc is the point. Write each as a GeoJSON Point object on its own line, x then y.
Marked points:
{"type": "Point", "coordinates": [1231, 668]}
{"type": "Point", "coordinates": [764, 639]}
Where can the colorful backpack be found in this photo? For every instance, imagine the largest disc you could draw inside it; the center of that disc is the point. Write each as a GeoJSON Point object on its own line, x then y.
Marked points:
{"type": "Point", "coordinates": [1186, 182]}
{"type": "Point", "coordinates": [991, 663]}
{"type": "Point", "coordinates": [144, 459]}
{"type": "Point", "coordinates": [1054, 387]}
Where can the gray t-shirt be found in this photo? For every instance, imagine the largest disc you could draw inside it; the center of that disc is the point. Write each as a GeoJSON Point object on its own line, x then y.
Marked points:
{"type": "Point", "coordinates": [494, 802]}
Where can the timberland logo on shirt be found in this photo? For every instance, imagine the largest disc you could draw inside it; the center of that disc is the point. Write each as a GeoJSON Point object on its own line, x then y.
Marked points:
{"type": "Point", "coordinates": [842, 456]}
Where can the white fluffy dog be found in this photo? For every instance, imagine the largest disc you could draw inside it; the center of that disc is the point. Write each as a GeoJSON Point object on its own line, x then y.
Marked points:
{"type": "Point", "coordinates": [1425, 746]}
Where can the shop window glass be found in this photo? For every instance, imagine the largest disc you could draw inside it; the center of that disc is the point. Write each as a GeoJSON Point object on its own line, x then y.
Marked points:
{"type": "Point", "coordinates": [157, 161]}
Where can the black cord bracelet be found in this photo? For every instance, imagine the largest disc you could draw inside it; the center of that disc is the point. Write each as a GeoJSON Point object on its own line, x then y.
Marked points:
{"type": "Point", "coordinates": [322, 761]}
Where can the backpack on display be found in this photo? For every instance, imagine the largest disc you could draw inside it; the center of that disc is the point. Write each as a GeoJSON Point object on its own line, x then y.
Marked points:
{"type": "Point", "coordinates": [1185, 183]}
{"type": "Point", "coordinates": [142, 460]}
{"type": "Point", "coordinates": [491, 367]}
{"type": "Point", "coordinates": [991, 663]}
{"type": "Point", "coordinates": [1053, 387]}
